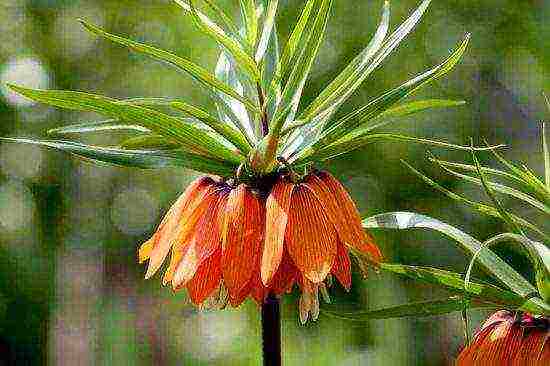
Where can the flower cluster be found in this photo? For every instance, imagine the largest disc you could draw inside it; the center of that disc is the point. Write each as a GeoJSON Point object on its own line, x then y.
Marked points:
{"type": "Point", "coordinates": [231, 241]}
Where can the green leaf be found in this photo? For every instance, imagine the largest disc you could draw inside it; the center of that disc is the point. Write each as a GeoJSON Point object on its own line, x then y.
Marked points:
{"type": "Point", "coordinates": [250, 17]}
{"type": "Point", "coordinates": [96, 126]}
{"type": "Point", "coordinates": [224, 17]}
{"type": "Point", "coordinates": [135, 158]}
{"type": "Point", "coordinates": [199, 73]}
{"type": "Point", "coordinates": [480, 207]}
{"type": "Point", "coordinates": [489, 261]}
{"type": "Point", "coordinates": [351, 142]}
{"type": "Point", "coordinates": [229, 110]}
{"type": "Point", "coordinates": [485, 292]}
{"type": "Point", "coordinates": [269, 22]}
{"type": "Point", "coordinates": [546, 154]}
{"type": "Point", "coordinates": [353, 75]}
{"type": "Point", "coordinates": [404, 110]}
{"type": "Point", "coordinates": [292, 91]}
{"type": "Point", "coordinates": [293, 41]}
{"type": "Point", "coordinates": [225, 130]}
{"type": "Point", "coordinates": [352, 120]}
{"type": "Point", "coordinates": [149, 142]}
{"type": "Point", "coordinates": [512, 192]}
{"type": "Point", "coordinates": [189, 136]}
{"type": "Point", "coordinates": [416, 309]}
{"type": "Point", "coordinates": [211, 29]}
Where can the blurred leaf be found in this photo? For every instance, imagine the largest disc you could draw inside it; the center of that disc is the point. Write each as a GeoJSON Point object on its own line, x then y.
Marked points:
{"type": "Point", "coordinates": [214, 31]}
{"type": "Point", "coordinates": [250, 17]}
{"type": "Point", "coordinates": [149, 142]}
{"type": "Point", "coordinates": [293, 89]}
{"type": "Point", "coordinates": [184, 133]}
{"type": "Point", "coordinates": [485, 292]}
{"type": "Point", "coordinates": [349, 143]}
{"type": "Point", "coordinates": [480, 207]}
{"type": "Point", "coordinates": [224, 17]}
{"type": "Point", "coordinates": [546, 153]}
{"type": "Point", "coordinates": [135, 158]}
{"type": "Point", "coordinates": [512, 192]}
{"type": "Point", "coordinates": [223, 129]}
{"type": "Point", "coordinates": [199, 73]}
{"type": "Point", "coordinates": [352, 120]}
{"type": "Point", "coordinates": [353, 75]}
{"type": "Point", "coordinates": [269, 22]}
{"type": "Point", "coordinates": [416, 309]}
{"type": "Point", "coordinates": [488, 260]}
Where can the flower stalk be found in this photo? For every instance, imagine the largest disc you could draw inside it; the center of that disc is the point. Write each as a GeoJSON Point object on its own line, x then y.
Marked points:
{"type": "Point", "coordinates": [271, 331]}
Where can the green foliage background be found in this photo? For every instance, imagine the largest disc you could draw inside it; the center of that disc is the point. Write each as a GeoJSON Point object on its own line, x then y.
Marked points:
{"type": "Point", "coordinates": [71, 290]}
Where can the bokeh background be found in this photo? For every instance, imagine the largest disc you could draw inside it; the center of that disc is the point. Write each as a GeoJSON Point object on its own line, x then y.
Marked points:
{"type": "Point", "coordinates": [71, 291]}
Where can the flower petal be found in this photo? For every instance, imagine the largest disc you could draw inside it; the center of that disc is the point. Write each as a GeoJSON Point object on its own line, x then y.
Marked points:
{"type": "Point", "coordinates": [242, 238]}
{"type": "Point", "coordinates": [191, 232]}
{"type": "Point", "coordinates": [206, 279]}
{"type": "Point", "coordinates": [277, 209]}
{"type": "Point", "coordinates": [310, 236]}
{"type": "Point", "coordinates": [145, 250]}
{"type": "Point", "coordinates": [285, 277]}
{"type": "Point", "coordinates": [351, 232]}
{"type": "Point", "coordinates": [342, 267]}
{"type": "Point", "coordinates": [176, 216]}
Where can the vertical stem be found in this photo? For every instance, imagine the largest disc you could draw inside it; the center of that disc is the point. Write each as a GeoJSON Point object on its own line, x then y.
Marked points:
{"type": "Point", "coordinates": [271, 331]}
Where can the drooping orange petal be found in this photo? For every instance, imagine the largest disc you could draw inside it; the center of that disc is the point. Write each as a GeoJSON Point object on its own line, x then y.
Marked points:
{"type": "Point", "coordinates": [242, 238]}
{"type": "Point", "coordinates": [310, 236]}
{"type": "Point", "coordinates": [342, 267]}
{"type": "Point", "coordinates": [206, 279]}
{"type": "Point", "coordinates": [534, 350]}
{"type": "Point", "coordinates": [184, 235]}
{"type": "Point", "coordinates": [285, 277]}
{"type": "Point", "coordinates": [164, 237]}
{"type": "Point", "coordinates": [277, 209]}
{"type": "Point", "coordinates": [351, 232]}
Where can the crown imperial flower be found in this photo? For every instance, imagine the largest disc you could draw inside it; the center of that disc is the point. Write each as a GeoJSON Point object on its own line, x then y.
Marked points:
{"type": "Point", "coordinates": [508, 339]}
{"type": "Point", "coordinates": [234, 239]}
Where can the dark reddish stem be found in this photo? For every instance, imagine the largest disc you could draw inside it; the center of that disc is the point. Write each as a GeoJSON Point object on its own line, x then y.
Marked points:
{"type": "Point", "coordinates": [271, 331]}
{"type": "Point", "coordinates": [263, 112]}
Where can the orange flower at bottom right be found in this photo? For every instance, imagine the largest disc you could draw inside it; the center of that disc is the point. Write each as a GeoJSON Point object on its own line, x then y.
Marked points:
{"type": "Point", "coordinates": [509, 339]}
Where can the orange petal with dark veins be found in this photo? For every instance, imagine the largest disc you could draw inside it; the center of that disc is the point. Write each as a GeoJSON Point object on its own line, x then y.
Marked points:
{"type": "Point", "coordinates": [310, 236]}
{"type": "Point", "coordinates": [277, 209]}
{"type": "Point", "coordinates": [165, 236]}
{"type": "Point", "coordinates": [353, 234]}
{"type": "Point", "coordinates": [242, 238]}
{"type": "Point", "coordinates": [342, 267]}
{"type": "Point", "coordinates": [206, 279]}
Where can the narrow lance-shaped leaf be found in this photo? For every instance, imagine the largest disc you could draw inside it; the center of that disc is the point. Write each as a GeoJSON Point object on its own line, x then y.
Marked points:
{"type": "Point", "coordinates": [250, 17]}
{"type": "Point", "coordinates": [96, 126]}
{"type": "Point", "coordinates": [484, 292]}
{"type": "Point", "coordinates": [354, 74]}
{"type": "Point", "coordinates": [489, 261]}
{"type": "Point", "coordinates": [292, 91]}
{"type": "Point", "coordinates": [149, 142]}
{"type": "Point", "coordinates": [348, 144]}
{"type": "Point", "coordinates": [224, 17]}
{"type": "Point", "coordinates": [228, 132]}
{"type": "Point", "coordinates": [546, 154]}
{"type": "Point", "coordinates": [199, 73]}
{"type": "Point", "coordinates": [246, 62]}
{"type": "Point", "coordinates": [184, 133]}
{"type": "Point", "coordinates": [135, 158]}
{"type": "Point", "coordinates": [349, 122]}
{"type": "Point", "coordinates": [416, 309]}
{"type": "Point", "coordinates": [480, 207]}
{"type": "Point", "coordinates": [512, 192]}
{"type": "Point", "coordinates": [269, 22]}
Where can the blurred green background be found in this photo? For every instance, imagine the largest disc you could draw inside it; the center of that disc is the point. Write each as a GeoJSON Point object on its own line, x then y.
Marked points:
{"type": "Point", "coordinates": [71, 291]}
